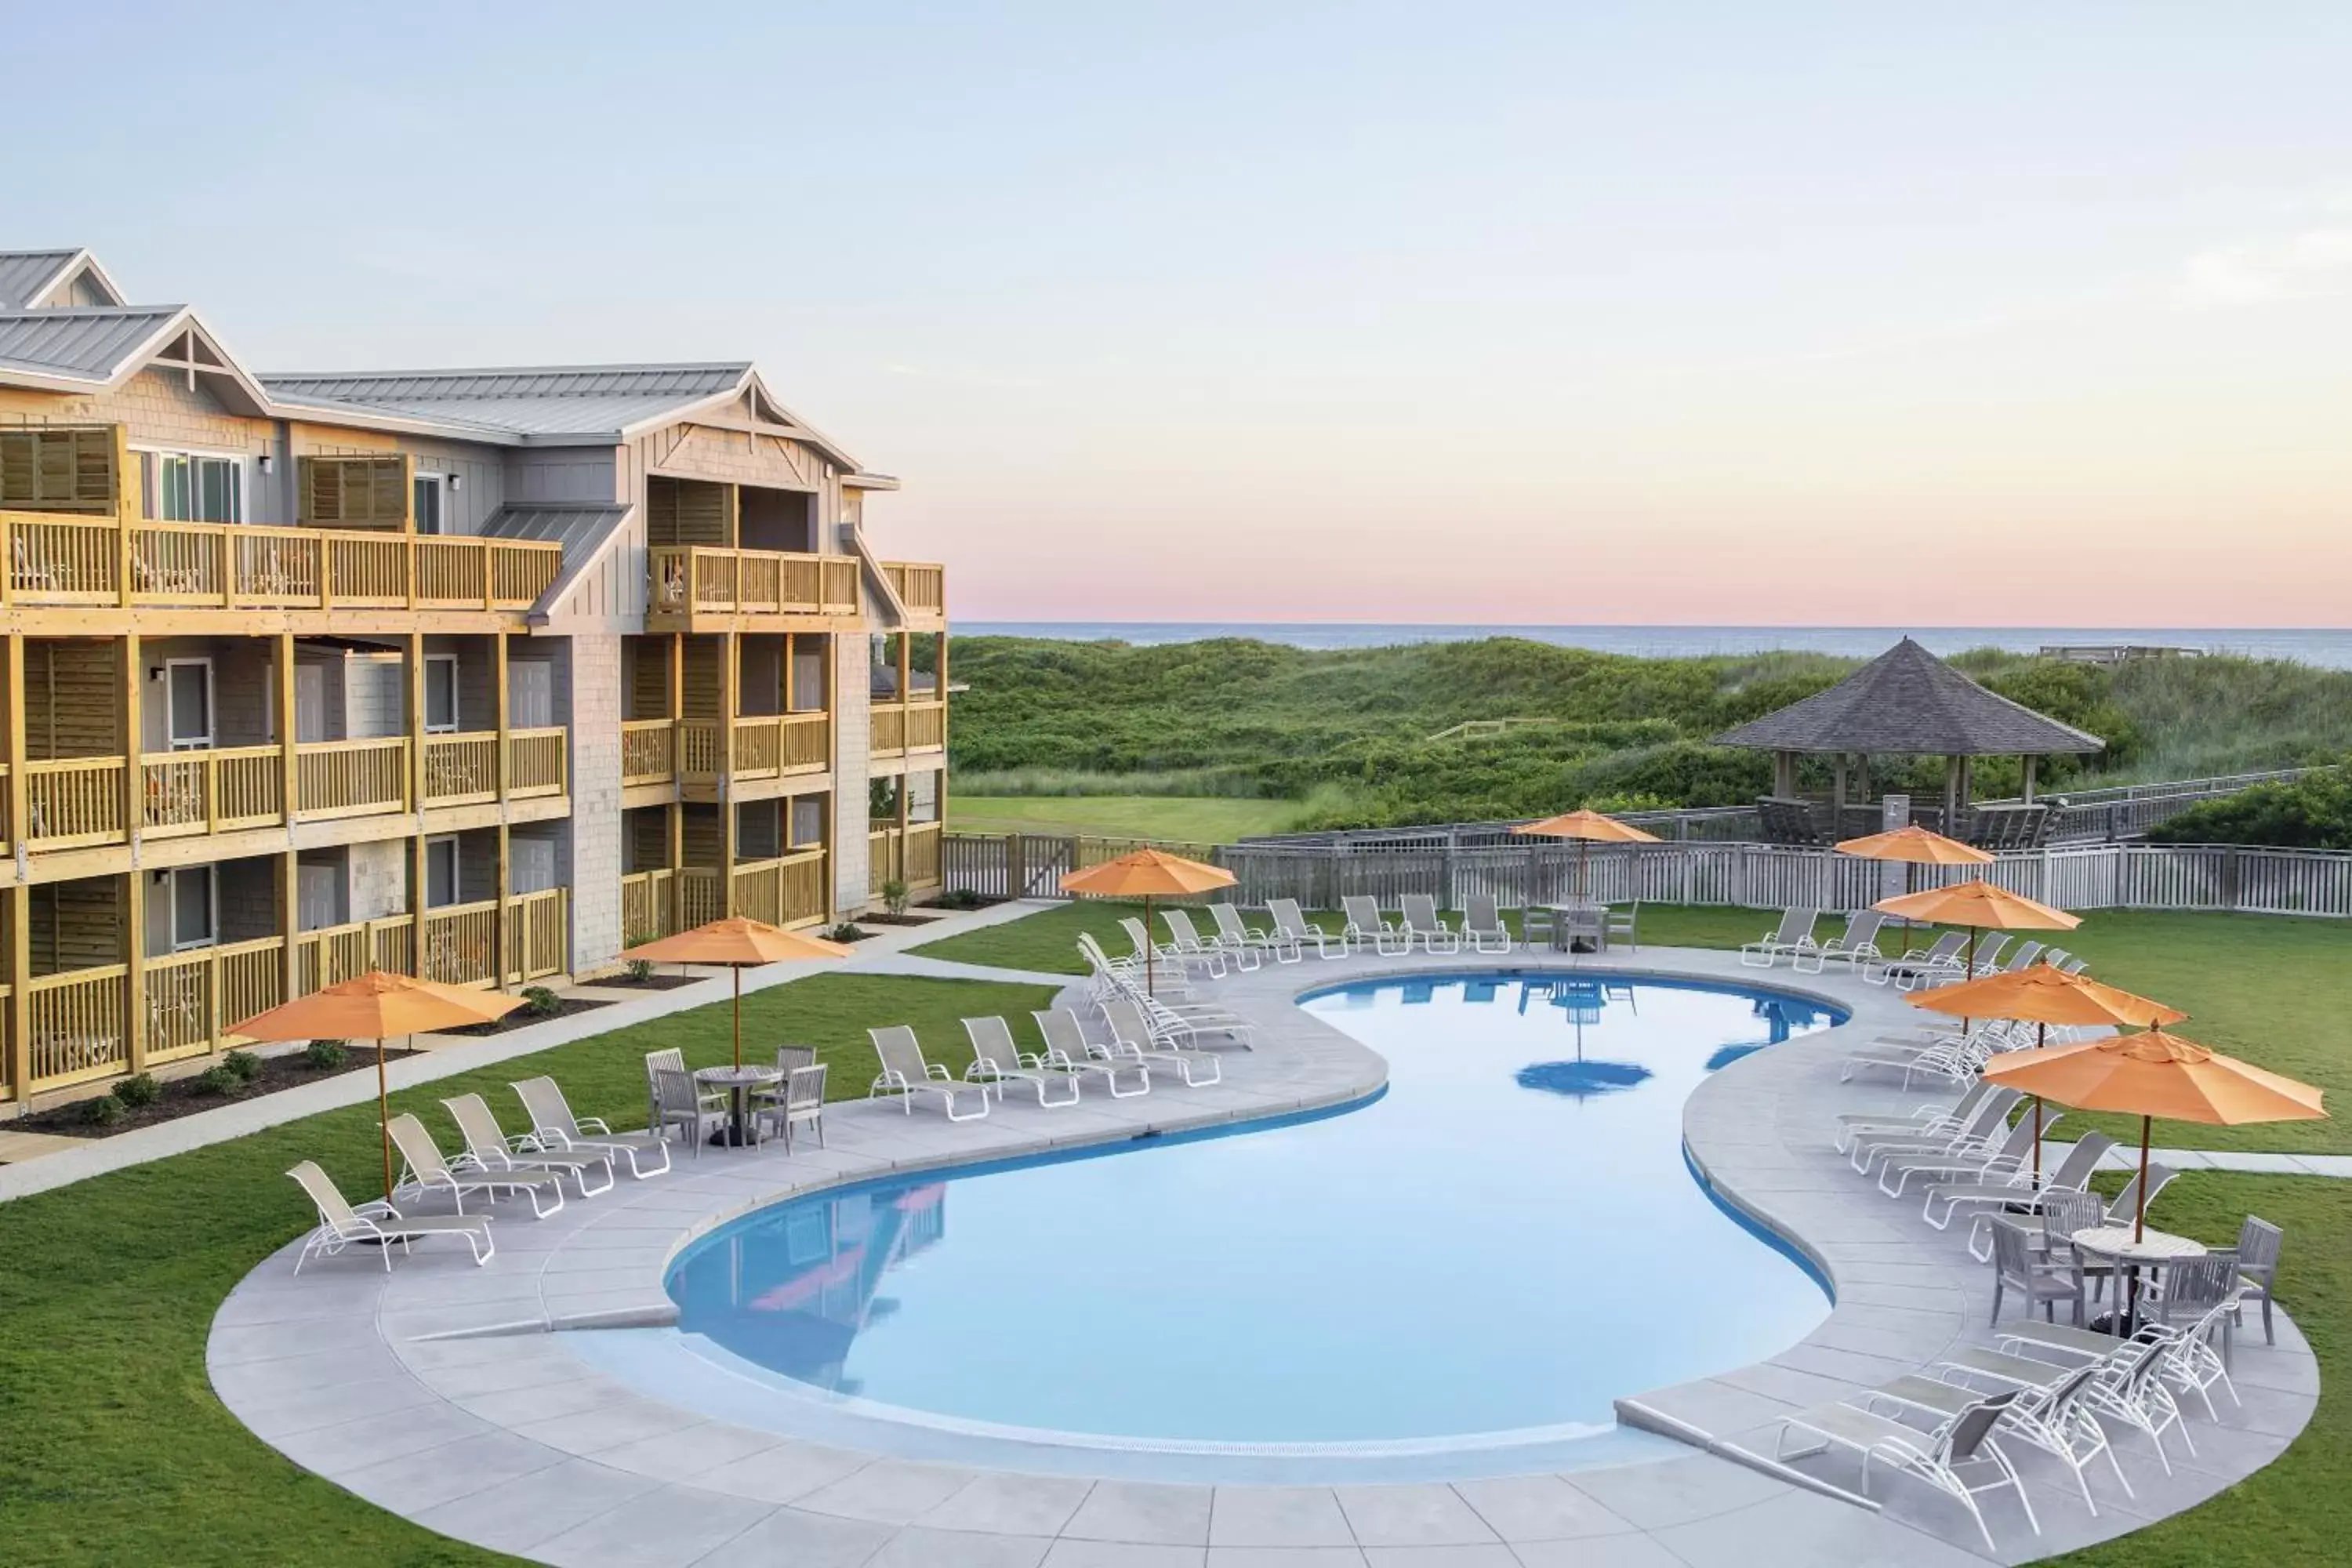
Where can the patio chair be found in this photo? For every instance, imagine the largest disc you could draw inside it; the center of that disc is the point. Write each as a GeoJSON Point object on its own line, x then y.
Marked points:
{"type": "Point", "coordinates": [2044, 1280]}
{"type": "Point", "coordinates": [377, 1224]}
{"type": "Point", "coordinates": [997, 1060]}
{"type": "Point", "coordinates": [1930, 1118]}
{"type": "Point", "coordinates": [905, 1073]}
{"type": "Point", "coordinates": [1367, 928]}
{"type": "Point", "coordinates": [1424, 925]}
{"type": "Point", "coordinates": [1130, 1033]}
{"type": "Point", "coordinates": [1067, 1046]}
{"type": "Point", "coordinates": [2053, 1416]}
{"type": "Point", "coordinates": [1987, 959]}
{"type": "Point", "coordinates": [1990, 1115]}
{"type": "Point", "coordinates": [2020, 1194]}
{"type": "Point", "coordinates": [1616, 922]}
{"type": "Point", "coordinates": [553, 1126]}
{"type": "Point", "coordinates": [427, 1170]}
{"type": "Point", "coordinates": [1792, 939]}
{"type": "Point", "coordinates": [488, 1148]}
{"type": "Point", "coordinates": [1186, 941]}
{"type": "Point", "coordinates": [2192, 1300]}
{"type": "Point", "coordinates": [799, 1103]}
{"type": "Point", "coordinates": [1165, 954]}
{"type": "Point", "coordinates": [1945, 1458]}
{"type": "Point", "coordinates": [1482, 925]}
{"type": "Point", "coordinates": [790, 1059]}
{"type": "Point", "coordinates": [1986, 1162]}
{"type": "Point", "coordinates": [2022, 956]}
{"type": "Point", "coordinates": [679, 1101]}
{"type": "Point", "coordinates": [671, 1059]}
{"type": "Point", "coordinates": [1120, 975]}
{"type": "Point", "coordinates": [1954, 1057]}
{"type": "Point", "coordinates": [1245, 947]}
{"type": "Point", "coordinates": [1852, 947]}
{"type": "Point", "coordinates": [1937, 962]}
{"type": "Point", "coordinates": [1290, 922]}
{"type": "Point", "coordinates": [2257, 1254]}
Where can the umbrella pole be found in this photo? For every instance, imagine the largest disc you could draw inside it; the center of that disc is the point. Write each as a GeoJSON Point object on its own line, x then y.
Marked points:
{"type": "Point", "coordinates": [1150, 986]}
{"type": "Point", "coordinates": [2039, 1031]}
{"type": "Point", "coordinates": [2139, 1204]}
{"type": "Point", "coordinates": [737, 971]}
{"type": "Point", "coordinates": [384, 1116]}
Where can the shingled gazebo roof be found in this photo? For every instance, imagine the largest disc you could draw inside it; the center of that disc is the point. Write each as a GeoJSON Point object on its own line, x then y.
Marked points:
{"type": "Point", "coordinates": [1908, 702]}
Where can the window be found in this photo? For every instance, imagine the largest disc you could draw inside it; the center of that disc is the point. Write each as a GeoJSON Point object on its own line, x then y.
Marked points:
{"type": "Point", "coordinates": [808, 821]}
{"type": "Point", "coordinates": [923, 797]}
{"type": "Point", "coordinates": [883, 676]}
{"type": "Point", "coordinates": [440, 873]}
{"type": "Point", "coordinates": [188, 703]}
{"type": "Point", "coordinates": [430, 490]}
{"type": "Point", "coordinates": [531, 693]}
{"type": "Point", "coordinates": [440, 693]}
{"type": "Point", "coordinates": [191, 908]}
{"type": "Point", "coordinates": [191, 486]}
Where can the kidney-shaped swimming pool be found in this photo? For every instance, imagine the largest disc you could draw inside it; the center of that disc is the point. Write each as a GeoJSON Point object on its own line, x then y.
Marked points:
{"type": "Point", "coordinates": [1507, 1239]}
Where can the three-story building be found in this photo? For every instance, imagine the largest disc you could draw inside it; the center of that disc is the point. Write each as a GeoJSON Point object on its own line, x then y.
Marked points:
{"type": "Point", "coordinates": [480, 675]}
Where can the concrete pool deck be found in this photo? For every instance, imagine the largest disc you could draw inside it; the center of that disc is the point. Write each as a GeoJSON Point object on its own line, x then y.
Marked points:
{"type": "Point", "coordinates": [503, 1437]}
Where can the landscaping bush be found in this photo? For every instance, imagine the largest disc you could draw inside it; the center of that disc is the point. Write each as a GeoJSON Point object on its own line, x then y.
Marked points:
{"type": "Point", "coordinates": [958, 899]}
{"type": "Point", "coordinates": [140, 1091]}
{"type": "Point", "coordinates": [640, 970]}
{"type": "Point", "coordinates": [845, 931]}
{"type": "Point", "coordinates": [219, 1079]}
{"type": "Point", "coordinates": [541, 1002]}
{"type": "Point", "coordinates": [325, 1055]}
{"type": "Point", "coordinates": [894, 897]}
{"type": "Point", "coordinates": [2313, 812]}
{"type": "Point", "coordinates": [244, 1064]}
{"type": "Point", "coordinates": [103, 1112]}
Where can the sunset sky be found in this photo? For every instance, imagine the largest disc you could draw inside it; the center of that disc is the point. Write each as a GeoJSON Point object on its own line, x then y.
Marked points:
{"type": "Point", "coordinates": [1604, 313]}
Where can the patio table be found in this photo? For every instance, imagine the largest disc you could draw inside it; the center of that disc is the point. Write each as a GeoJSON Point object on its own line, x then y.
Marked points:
{"type": "Point", "coordinates": [739, 1082]}
{"type": "Point", "coordinates": [1574, 922]}
{"type": "Point", "coordinates": [2150, 1249]}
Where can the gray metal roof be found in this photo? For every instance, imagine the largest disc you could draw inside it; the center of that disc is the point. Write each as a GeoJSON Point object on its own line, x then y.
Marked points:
{"type": "Point", "coordinates": [1908, 702]}
{"type": "Point", "coordinates": [586, 400]}
{"type": "Point", "coordinates": [88, 344]}
{"type": "Point", "coordinates": [577, 527]}
{"type": "Point", "coordinates": [27, 275]}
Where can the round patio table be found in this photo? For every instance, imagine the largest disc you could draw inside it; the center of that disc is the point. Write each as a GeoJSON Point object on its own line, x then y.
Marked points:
{"type": "Point", "coordinates": [739, 1082]}
{"type": "Point", "coordinates": [2116, 1243]}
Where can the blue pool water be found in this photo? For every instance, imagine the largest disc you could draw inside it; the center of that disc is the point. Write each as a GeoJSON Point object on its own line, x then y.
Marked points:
{"type": "Point", "coordinates": [1507, 1239]}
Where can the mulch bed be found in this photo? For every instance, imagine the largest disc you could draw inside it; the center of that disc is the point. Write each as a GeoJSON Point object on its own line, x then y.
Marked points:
{"type": "Point", "coordinates": [836, 933]}
{"type": "Point", "coordinates": [523, 1018]}
{"type": "Point", "coordinates": [180, 1095]}
{"type": "Point", "coordinates": [897, 919]}
{"type": "Point", "coordinates": [964, 908]}
{"type": "Point", "coordinates": [650, 982]}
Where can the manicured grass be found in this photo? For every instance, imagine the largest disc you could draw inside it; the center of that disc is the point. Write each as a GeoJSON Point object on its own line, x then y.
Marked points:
{"type": "Point", "coordinates": [1189, 819]}
{"type": "Point", "coordinates": [112, 1448]}
{"type": "Point", "coordinates": [1047, 941]}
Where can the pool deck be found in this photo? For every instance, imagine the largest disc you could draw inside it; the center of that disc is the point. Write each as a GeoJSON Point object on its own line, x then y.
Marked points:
{"type": "Point", "coordinates": [436, 1391]}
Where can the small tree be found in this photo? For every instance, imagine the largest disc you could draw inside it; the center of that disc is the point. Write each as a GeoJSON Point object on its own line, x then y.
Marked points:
{"type": "Point", "coordinates": [894, 896]}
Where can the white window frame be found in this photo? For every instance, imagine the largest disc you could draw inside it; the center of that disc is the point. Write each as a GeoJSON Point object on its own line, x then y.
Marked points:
{"type": "Point", "coordinates": [457, 714]}
{"type": "Point", "coordinates": [440, 483]}
{"type": "Point", "coordinates": [238, 462]}
{"type": "Point", "coordinates": [211, 906]}
{"type": "Point", "coordinates": [211, 737]}
{"type": "Point", "coordinates": [457, 873]}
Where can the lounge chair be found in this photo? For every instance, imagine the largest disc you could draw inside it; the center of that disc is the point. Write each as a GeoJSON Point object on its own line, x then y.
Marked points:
{"type": "Point", "coordinates": [427, 1170]}
{"type": "Point", "coordinates": [1187, 944]}
{"type": "Point", "coordinates": [377, 1224]}
{"type": "Point", "coordinates": [1482, 925]}
{"type": "Point", "coordinates": [1367, 928]}
{"type": "Point", "coordinates": [1933, 1117]}
{"type": "Point", "coordinates": [1987, 959]}
{"type": "Point", "coordinates": [1123, 974]}
{"type": "Point", "coordinates": [1792, 939]}
{"type": "Point", "coordinates": [1853, 946]}
{"type": "Point", "coordinates": [1243, 946]}
{"type": "Point", "coordinates": [2022, 1194]}
{"type": "Point", "coordinates": [1068, 1047]}
{"type": "Point", "coordinates": [2194, 1300]}
{"type": "Point", "coordinates": [1291, 923]}
{"type": "Point", "coordinates": [1935, 965]}
{"type": "Point", "coordinates": [1988, 1160]}
{"type": "Point", "coordinates": [1131, 1034]}
{"type": "Point", "coordinates": [553, 1126]}
{"type": "Point", "coordinates": [996, 1058]}
{"type": "Point", "coordinates": [2127, 1383]}
{"type": "Point", "coordinates": [1168, 954]}
{"type": "Point", "coordinates": [489, 1149]}
{"type": "Point", "coordinates": [2053, 1416]}
{"type": "Point", "coordinates": [1954, 1057]}
{"type": "Point", "coordinates": [2022, 956]}
{"type": "Point", "coordinates": [1623, 923]}
{"type": "Point", "coordinates": [905, 1073]}
{"type": "Point", "coordinates": [1991, 1113]}
{"type": "Point", "coordinates": [1424, 925]}
{"type": "Point", "coordinates": [1944, 1457]}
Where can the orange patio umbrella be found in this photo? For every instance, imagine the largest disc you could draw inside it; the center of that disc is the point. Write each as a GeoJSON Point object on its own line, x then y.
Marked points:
{"type": "Point", "coordinates": [1980, 906]}
{"type": "Point", "coordinates": [739, 942]}
{"type": "Point", "coordinates": [1914, 846]}
{"type": "Point", "coordinates": [2155, 1074]}
{"type": "Point", "coordinates": [375, 1006]}
{"type": "Point", "coordinates": [2041, 995]}
{"type": "Point", "coordinates": [1588, 828]}
{"type": "Point", "coordinates": [1146, 873]}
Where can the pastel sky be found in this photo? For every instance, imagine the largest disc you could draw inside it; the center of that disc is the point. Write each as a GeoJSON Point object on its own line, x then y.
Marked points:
{"type": "Point", "coordinates": [1758, 314]}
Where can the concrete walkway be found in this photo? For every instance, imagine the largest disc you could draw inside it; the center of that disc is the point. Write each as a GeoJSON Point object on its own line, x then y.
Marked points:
{"type": "Point", "coordinates": [514, 1440]}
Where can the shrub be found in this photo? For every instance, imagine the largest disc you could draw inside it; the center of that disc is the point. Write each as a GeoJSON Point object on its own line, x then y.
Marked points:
{"type": "Point", "coordinates": [103, 1112]}
{"type": "Point", "coordinates": [2313, 812]}
{"type": "Point", "coordinates": [894, 896]}
{"type": "Point", "coordinates": [244, 1064]}
{"type": "Point", "coordinates": [541, 1001]}
{"type": "Point", "coordinates": [845, 931]}
{"type": "Point", "coordinates": [219, 1079]}
{"type": "Point", "coordinates": [325, 1055]}
{"type": "Point", "coordinates": [960, 898]}
{"type": "Point", "coordinates": [140, 1091]}
{"type": "Point", "coordinates": [640, 970]}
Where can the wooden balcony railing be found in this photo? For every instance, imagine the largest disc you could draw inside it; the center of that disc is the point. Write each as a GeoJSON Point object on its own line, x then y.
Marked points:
{"type": "Point", "coordinates": [688, 578]}
{"type": "Point", "coordinates": [902, 727]}
{"type": "Point", "coordinates": [333, 953]}
{"type": "Point", "coordinates": [352, 778]}
{"type": "Point", "coordinates": [776, 745]}
{"type": "Point", "coordinates": [193, 998]}
{"type": "Point", "coordinates": [535, 763]}
{"type": "Point", "coordinates": [784, 890]}
{"type": "Point", "coordinates": [648, 906]}
{"type": "Point", "coordinates": [538, 936]}
{"type": "Point", "coordinates": [59, 560]}
{"type": "Point", "coordinates": [648, 751]}
{"type": "Point", "coordinates": [212, 792]}
{"type": "Point", "coordinates": [911, 856]}
{"type": "Point", "coordinates": [921, 586]}
{"type": "Point", "coordinates": [460, 943]}
{"type": "Point", "coordinates": [74, 801]}
{"type": "Point", "coordinates": [702, 897]}
{"type": "Point", "coordinates": [77, 1031]}
{"type": "Point", "coordinates": [461, 770]}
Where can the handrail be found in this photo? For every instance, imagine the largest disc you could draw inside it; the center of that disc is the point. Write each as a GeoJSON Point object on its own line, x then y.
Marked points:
{"type": "Point", "coordinates": [648, 751]}
{"type": "Point", "coordinates": [920, 584]}
{"type": "Point", "coordinates": [351, 778]}
{"type": "Point", "coordinates": [685, 579]}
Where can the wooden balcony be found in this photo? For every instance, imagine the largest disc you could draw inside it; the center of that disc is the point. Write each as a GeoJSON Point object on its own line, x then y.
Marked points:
{"type": "Point", "coordinates": [648, 905]}
{"type": "Point", "coordinates": [787, 891]}
{"type": "Point", "coordinates": [461, 946]}
{"type": "Point", "coordinates": [695, 587]}
{"type": "Point", "coordinates": [55, 559]}
{"type": "Point", "coordinates": [768, 746]}
{"type": "Point", "coordinates": [921, 587]}
{"type": "Point", "coordinates": [909, 854]}
{"type": "Point", "coordinates": [333, 953]}
{"type": "Point", "coordinates": [900, 728]}
{"type": "Point", "coordinates": [463, 769]}
{"type": "Point", "coordinates": [648, 752]}
{"type": "Point", "coordinates": [193, 998]}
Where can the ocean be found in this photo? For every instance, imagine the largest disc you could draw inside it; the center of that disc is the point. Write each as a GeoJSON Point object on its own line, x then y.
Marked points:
{"type": "Point", "coordinates": [2325, 647]}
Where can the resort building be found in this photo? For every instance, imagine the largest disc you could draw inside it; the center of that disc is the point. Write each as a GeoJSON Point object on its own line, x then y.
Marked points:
{"type": "Point", "coordinates": [479, 674]}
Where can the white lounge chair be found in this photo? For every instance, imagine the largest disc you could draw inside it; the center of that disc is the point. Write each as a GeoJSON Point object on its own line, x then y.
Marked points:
{"type": "Point", "coordinates": [489, 1149]}
{"type": "Point", "coordinates": [1938, 965]}
{"type": "Point", "coordinates": [553, 1126]}
{"type": "Point", "coordinates": [996, 1058]}
{"type": "Point", "coordinates": [1987, 1120]}
{"type": "Point", "coordinates": [905, 1073]}
{"type": "Point", "coordinates": [1482, 925]}
{"type": "Point", "coordinates": [2053, 1416]}
{"type": "Point", "coordinates": [1243, 946]}
{"type": "Point", "coordinates": [1990, 1160]}
{"type": "Point", "coordinates": [1067, 1047]}
{"type": "Point", "coordinates": [1792, 939]}
{"type": "Point", "coordinates": [1168, 954]}
{"type": "Point", "coordinates": [1424, 925]}
{"type": "Point", "coordinates": [2021, 1193]}
{"type": "Point", "coordinates": [1290, 922]}
{"type": "Point", "coordinates": [1130, 1033]}
{"type": "Point", "coordinates": [427, 1170]}
{"type": "Point", "coordinates": [1945, 1457]}
{"type": "Point", "coordinates": [1932, 1117]}
{"type": "Point", "coordinates": [1852, 947]}
{"type": "Point", "coordinates": [1367, 927]}
{"type": "Point", "coordinates": [377, 1224]}
{"type": "Point", "coordinates": [1186, 941]}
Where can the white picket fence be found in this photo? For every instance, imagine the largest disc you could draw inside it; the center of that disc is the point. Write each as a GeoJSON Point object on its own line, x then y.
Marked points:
{"type": "Point", "coordinates": [2212, 876]}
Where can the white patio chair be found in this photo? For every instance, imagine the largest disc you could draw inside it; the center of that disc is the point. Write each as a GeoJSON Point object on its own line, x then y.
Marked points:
{"type": "Point", "coordinates": [553, 1126]}
{"type": "Point", "coordinates": [1367, 927]}
{"type": "Point", "coordinates": [1290, 922]}
{"type": "Point", "coordinates": [489, 1149]}
{"type": "Point", "coordinates": [1852, 947]}
{"type": "Point", "coordinates": [428, 1170]}
{"type": "Point", "coordinates": [1424, 925]}
{"type": "Point", "coordinates": [905, 1073]}
{"type": "Point", "coordinates": [377, 1224]}
{"type": "Point", "coordinates": [1186, 940]}
{"type": "Point", "coordinates": [1792, 939]}
{"type": "Point", "coordinates": [1482, 925]}
{"type": "Point", "coordinates": [1945, 1459]}
{"type": "Point", "coordinates": [1243, 946]}
{"type": "Point", "coordinates": [1133, 1034]}
{"type": "Point", "coordinates": [1067, 1046]}
{"type": "Point", "coordinates": [998, 1060]}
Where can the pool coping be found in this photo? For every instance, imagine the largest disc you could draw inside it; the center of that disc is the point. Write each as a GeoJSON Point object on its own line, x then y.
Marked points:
{"type": "Point", "coordinates": [435, 1391]}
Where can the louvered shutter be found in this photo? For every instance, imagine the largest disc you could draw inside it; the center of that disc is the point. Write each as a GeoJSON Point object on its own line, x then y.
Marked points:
{"type": "Point", "coordinates": [354, 492]}
{"type": "Point", "coordinates": [57, 470]}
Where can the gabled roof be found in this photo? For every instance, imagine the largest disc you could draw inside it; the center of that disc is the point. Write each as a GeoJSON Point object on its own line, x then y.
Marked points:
{"type": "Point", "coordinates": [587, 400]}
{"type": "Point", "coordinates": [1908, 702]}
{"type": "Point", "coordinates": [32, 278]}
{"type": "Point", "coordinates": [90, 345]}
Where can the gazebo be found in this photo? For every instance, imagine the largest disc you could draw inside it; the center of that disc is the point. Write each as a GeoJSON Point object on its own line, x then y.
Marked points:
{"type": "Point", "coordinates": [1906, 702]}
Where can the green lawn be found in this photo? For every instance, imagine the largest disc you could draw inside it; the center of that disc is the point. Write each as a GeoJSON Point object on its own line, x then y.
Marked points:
{"type": "Point", "coordinates": [1187, 819]}
{"type": "Point", "coordinates": [112, 1448]}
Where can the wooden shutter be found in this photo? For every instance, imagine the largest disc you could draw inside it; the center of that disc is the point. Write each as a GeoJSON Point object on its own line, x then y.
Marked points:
{"type": "Point", "coordinates": [354, 492]}
{"type": "Point", "coordinates": [57, 470]}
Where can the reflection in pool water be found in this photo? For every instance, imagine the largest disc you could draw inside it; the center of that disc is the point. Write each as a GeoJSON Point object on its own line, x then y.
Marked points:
{"type": "Point", "coordinates": [1460, 1256]}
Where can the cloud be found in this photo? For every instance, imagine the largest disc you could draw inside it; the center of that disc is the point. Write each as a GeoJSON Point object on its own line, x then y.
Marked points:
{"type": "Point", "coordinates": [2315, 260]}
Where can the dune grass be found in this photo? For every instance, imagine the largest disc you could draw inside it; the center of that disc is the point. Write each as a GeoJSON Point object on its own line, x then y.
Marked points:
{"type": "Point", "coordinates": [1187, 819]}
{"type": "Point", "coordinates": [112, 1448]}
